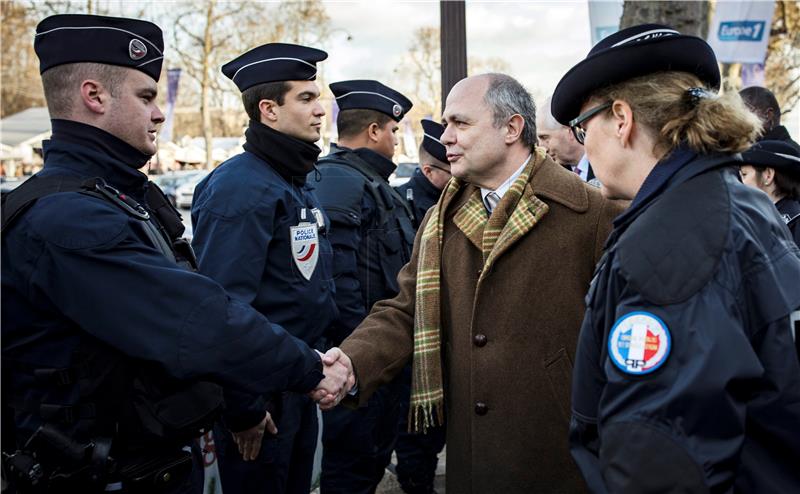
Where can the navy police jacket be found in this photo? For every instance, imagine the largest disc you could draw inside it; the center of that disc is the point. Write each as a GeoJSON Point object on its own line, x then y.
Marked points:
{"type": "Point", "coordinates": [789, 209]}
{"type": "Point", "coordinates": [686, 378]}
{"type": "Point", "coordinates": [423, 195]}
{"type": "Point", "coordinates": [77, 267]}
{"type": "Point", "coordinates": [265, 241]}
{"type": "Point", "coordinates": [371, 231]}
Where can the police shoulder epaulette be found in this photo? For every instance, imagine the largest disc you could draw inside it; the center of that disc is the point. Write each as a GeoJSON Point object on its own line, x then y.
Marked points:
{"type": "Point", "coordinates": [671, 251]}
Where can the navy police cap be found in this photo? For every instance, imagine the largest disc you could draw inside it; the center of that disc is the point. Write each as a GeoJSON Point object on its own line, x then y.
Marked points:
{"type": "Point", "coordinates": [431, 140]}
{"type": "Point", "coordinates": [629, 53]}
{"type": "Point", "coordinates": [370, 95]}
{"type": "Point", "coordinates": [74, 38]}
{"type": "Point", "coordinates": [774, 154]}
{"type": "Point", "coordinates": [274, 62]}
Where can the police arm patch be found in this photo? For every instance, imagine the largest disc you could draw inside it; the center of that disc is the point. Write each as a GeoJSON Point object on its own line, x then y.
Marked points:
{"type": "Point", "coordinates": [639, 343]}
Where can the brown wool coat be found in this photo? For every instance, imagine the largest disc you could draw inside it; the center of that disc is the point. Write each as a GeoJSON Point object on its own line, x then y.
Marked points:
{"type": "Point", "coordinates": [529, 309]}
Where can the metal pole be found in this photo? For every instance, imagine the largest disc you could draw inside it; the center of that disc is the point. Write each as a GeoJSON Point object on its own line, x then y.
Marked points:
{"type": "Point", "coordinates": [453, 29]}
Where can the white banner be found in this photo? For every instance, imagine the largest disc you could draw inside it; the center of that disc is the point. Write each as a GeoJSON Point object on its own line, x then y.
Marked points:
{"type": "Point", "coordinates": [740, 30]}
{"type": "Point", "coordinates": [604, 16]}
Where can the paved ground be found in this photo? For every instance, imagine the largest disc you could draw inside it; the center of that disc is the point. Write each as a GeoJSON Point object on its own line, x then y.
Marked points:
{"type": "Point", "coordinates": [389, 483]}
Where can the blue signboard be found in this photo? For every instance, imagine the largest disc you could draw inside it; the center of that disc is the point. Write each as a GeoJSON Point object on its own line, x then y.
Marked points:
{"type": "Point", "coordinates": [741, 31]}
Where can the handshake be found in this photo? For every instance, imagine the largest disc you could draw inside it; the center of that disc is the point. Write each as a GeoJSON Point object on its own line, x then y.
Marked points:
{"type": "Point", "coordinates": [338, 381]}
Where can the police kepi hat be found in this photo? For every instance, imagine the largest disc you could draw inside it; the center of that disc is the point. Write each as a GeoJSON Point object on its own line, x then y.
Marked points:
{"type": "Point", "coordinates": [274, 62]}
{"type": "Point", "coordinates": [370, 95]}
{"type": "Point", "coordinates": [629, 53]}
{"type": "Point", "coordinates": [431, 140]}
{"type": "Point", "coordinates": [73, 38]}
{"type": "Point", "coordinates": [774, 154]}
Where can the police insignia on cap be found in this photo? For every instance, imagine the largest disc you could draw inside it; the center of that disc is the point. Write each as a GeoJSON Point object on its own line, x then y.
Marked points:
{"type": "Point", "coordinates": [639, 343]}
{"type": "Point", "coordinates": [136, 49]}
{"type": "Point", "coordinates": [397, 110]}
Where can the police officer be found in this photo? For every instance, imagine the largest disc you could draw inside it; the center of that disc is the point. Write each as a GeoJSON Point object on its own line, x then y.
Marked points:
{"type": "Point", "coordinates": [774, 168]}
{"type": "Point", "coordinates": [105, 333]}
{"type": "Point", "coordinates": [685, 376]}
{"type": "Point", "coordinates": [372, 234]}
{"type": "Point", "coordinates": [418, 454]}
{"type": "Point", "coordinates": [260, 232]}
{"type": "Point", "coordinates": [423, 189]}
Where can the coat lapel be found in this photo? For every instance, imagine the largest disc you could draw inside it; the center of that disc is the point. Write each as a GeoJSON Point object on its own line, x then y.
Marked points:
{"type": "Point", "coordinates": [471, 218]}
{"type": "Point", "coordinates": [528, 212]}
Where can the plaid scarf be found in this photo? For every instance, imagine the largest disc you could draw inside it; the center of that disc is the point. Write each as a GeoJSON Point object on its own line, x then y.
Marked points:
{"type": "Point", "coordinates": [493, 235]}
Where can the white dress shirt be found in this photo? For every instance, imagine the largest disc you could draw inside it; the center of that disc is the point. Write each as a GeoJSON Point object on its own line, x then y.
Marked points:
{"type": "Point", "coordinates": [503, 188]}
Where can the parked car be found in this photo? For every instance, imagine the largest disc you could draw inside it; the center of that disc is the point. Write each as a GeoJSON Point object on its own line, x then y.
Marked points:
{"type": "Point", "coordinates": [169, 182]}
{"type": "Point", "coordinates": [402, 174]}
{"type": "Point", "coordinates": [184, 193]}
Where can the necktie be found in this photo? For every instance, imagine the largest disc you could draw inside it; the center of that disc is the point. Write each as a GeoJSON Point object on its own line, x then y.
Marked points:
{"type": "Point", "coordinates": [491, 201]}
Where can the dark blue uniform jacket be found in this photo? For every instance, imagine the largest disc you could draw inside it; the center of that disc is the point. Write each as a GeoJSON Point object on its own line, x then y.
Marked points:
{"type": "Point", "coordinates": [425, 195]}
{"type": "Point", "coordinates": [76, 267]}
{"type": "Point", "coordinates": [242, 214]}
{"type": "Point", "coordinates": [371, 231]}
{"type": "Point", "coordinates": [712, 261]}
{"type": "Point", "coordinates": [790, 212]}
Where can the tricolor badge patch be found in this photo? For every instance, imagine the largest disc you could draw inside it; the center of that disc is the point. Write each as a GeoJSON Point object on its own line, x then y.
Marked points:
{"type": "Point", "coordinates": [305, 248]}
{"type": "Point", "coordinates": [639, 343]}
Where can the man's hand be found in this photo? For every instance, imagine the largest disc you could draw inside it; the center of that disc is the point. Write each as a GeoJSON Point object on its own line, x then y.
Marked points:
{"type": "Point", "coordinates": [339, 379]}
{"type": "Point", "coordinates": [249, 441]}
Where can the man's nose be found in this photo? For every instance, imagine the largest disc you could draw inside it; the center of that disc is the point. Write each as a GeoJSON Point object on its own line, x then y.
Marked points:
{"type": "Point", "coordinates": [157, 116]}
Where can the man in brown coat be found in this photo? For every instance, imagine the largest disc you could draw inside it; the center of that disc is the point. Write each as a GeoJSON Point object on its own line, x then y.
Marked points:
{"type": "Point", "coordinates": [492, 300]}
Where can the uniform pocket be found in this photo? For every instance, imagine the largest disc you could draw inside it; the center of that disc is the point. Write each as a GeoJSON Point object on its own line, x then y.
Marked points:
{"type": "Point", "coordinates": [558, 368]}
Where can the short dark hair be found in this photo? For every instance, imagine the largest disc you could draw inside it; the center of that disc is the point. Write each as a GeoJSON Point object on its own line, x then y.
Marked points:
{"type": "Point", "coordinates": [350, 123]}
{"type": "Point", "coordinates": [252, 96]}
{"type": "Point", "coordinates": [787, 185]}
{"type": "Point", "coordinates": [761, 99]}
{"type": "Point", "coordinates": [61, 83]}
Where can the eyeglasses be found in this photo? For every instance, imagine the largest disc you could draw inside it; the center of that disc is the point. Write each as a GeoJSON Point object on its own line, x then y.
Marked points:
{"type": "Point", "coordinates": [575, 124]}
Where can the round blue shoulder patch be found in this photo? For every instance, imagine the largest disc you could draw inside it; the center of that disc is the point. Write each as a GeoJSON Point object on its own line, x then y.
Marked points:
{"type": "Point", "coordinates": [639, 343]}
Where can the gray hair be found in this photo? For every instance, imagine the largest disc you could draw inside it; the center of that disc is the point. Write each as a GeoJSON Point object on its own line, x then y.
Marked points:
{"type": "Point", "coordinates": [546, 118]}
{"type": "Point", "coordinates": [507, 97]}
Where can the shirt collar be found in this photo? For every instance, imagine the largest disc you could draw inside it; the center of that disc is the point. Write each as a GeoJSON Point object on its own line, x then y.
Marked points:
{"type": "Point", "coordinates": [582, 168]}
{"type": "Point", "coordinates": [503, 188]}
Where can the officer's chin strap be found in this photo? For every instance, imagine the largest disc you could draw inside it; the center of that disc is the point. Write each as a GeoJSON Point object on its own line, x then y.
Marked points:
{"type": "Point", "coordinates": [317, 174]}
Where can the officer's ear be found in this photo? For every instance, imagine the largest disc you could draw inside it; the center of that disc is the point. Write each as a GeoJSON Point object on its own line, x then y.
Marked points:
{"type": "Point", "coordinates": [372, 131]}
{"type": "Point", "coordinates": [94, 96]}
{"type": "Point", "coordinates": [268, 110]}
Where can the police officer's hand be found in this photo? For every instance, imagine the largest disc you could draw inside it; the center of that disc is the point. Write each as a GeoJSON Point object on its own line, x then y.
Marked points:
{"type": "Point", "coordinates": [249, 441]}
{"type": "Point", "coordinates": [339, 379]}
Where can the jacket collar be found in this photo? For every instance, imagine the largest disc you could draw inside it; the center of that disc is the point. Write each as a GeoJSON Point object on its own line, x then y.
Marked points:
{"type": "Point", "coordinates": [550, 181]}
{"type": "Point", "coordinates": [554, 182]}
{"type": "Point", "coordinates": [88, 152]}
{"type": "Point", "coordinates": [382, 165]}
{"type": "Point", "coordinates": [425, 186]}
{"type": "Point", "coordinates": [515, 223]}
{"type": "Point", "coordinates": [696, 165]}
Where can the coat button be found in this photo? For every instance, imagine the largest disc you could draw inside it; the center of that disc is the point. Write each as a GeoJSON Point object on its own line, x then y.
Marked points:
{"type": "Point", "coordinates": [480, 340]}
{"type": "Point", "coordinates": [481, 408]}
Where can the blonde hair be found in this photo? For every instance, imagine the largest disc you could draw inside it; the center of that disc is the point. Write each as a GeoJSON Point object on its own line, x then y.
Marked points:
{"type": "Point", "coordinates": [662, 104]}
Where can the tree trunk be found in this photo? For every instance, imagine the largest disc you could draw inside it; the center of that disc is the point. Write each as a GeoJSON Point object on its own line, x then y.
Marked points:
{"type": "Point", "coordinates": [687, 17]}
{"type": "Point", "coordinates": [205, 83]}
